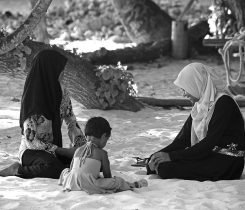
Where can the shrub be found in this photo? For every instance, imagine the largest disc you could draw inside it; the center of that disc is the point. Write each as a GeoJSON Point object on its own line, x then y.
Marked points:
{"type": "Point", "coordinates": [114, 86]}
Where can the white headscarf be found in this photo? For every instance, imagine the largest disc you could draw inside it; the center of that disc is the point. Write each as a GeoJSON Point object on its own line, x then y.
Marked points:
{"type": "Point", "coordinates": [203, 83]}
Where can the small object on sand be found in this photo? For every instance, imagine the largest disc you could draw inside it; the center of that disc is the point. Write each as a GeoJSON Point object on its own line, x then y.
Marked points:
{"type": "Point", "coordinates": [14, 99]}
{"type": "Point", "coordinates": [140, 162]}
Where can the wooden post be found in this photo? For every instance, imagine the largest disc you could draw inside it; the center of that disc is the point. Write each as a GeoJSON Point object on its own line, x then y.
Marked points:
{"type": "Point", "coordinates": [179, 39]}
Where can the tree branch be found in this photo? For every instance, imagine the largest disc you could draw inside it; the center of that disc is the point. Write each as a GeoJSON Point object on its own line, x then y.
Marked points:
{"type": "Point", "coordinates": [26, 29]}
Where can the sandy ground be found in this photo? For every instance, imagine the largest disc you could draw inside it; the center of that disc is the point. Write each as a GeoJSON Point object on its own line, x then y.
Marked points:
{"type": "Point", "coordinates": [133, 134]}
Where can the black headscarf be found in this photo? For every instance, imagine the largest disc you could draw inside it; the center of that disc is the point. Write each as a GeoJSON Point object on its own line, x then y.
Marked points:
{"type": "Point", "coordinates": [42, 93]}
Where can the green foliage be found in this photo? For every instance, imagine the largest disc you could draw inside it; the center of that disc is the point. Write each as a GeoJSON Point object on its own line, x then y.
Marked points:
{"type": "Point", "coordinates": [222, 23]}
{"type": "Point", "coordinates": [114, 86]}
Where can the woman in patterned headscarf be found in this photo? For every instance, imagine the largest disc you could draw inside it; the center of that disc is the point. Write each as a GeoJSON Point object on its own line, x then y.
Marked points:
{"type": "Point", "coordinates": [211, 144]}
{"type": "Point", "coordinates": [45, 104]}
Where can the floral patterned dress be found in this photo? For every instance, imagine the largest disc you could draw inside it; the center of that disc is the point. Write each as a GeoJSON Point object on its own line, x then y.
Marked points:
{"type": "Point", "coordinates": [38, 133]}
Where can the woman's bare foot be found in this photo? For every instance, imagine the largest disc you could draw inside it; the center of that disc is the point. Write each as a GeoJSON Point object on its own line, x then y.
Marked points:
{"type": "Point", "coordinates": [12, 170]}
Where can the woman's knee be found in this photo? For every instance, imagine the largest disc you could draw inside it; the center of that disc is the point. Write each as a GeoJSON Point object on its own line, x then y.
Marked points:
{"type": "Point", "coordinates": [52, 170]}
{"type": "Point", "coordinates": [40, 164]}
{"type": "Point", "coordinates": [165, 170]}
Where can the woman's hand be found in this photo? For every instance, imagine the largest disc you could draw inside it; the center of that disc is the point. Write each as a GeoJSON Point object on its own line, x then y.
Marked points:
{"type": "Point", "coordinates": [158, 158]}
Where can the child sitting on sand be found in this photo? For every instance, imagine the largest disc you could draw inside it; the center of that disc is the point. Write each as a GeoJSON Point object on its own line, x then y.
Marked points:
{"type": "Point", "coordinates": [90, 159]}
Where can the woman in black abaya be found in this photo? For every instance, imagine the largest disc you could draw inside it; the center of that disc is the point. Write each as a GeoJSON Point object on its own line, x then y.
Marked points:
{"type": "Point", "coordinates": [45, 105]}
{"type": "Point", "coordinates": [211, 143]}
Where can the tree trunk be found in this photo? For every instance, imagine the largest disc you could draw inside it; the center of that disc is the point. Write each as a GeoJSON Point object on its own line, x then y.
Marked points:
{"type": "Point", "coordinates": [41, 34]}
{"type": "Point", "coordinates": [26, 29]}
{"type": "Point", "coordinates": [79, 77]}
{"type": "Point", "coordinates": [140, 53]}
{"type": "Point", "coordinates": [237, 8]}
{"type": "Point", "coordinates": [143, 20]}
{"type": "Point", "coordinates": [167, 103]}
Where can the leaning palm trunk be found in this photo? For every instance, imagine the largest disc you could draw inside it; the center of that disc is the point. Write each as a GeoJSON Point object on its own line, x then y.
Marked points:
{"type": "Point", "coordinates": [79, 77]}
{"type": "Point", "coordinates": [26, 29]}
{"type": "Point", "coordinates": [40, 32]}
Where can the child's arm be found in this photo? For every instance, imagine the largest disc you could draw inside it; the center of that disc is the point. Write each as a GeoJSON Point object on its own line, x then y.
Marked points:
{"type": "Point", "coordinates": [106, 165]}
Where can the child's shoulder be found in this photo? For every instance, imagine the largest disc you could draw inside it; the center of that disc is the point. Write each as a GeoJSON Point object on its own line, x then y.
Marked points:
{"type": "Point", "coordinates": [98, 153]}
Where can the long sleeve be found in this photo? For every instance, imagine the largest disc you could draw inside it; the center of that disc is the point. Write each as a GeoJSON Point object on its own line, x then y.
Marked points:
{"type": "Point", "coordinates": [182, 140]}
{"type": "Point", "coordinates": [222, 129]}
{"type": "Point", "coordinates": [75, 133]}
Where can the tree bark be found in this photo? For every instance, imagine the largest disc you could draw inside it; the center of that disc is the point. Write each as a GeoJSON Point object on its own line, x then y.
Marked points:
{"type": "Point", "coordinates": [79, 77]}
{"type": "Point", "coordinates": [143, 20]}
{"type": "Point", "coordinates": [41, 34]}
{"type": "Point", "coordinates": [26, 29]}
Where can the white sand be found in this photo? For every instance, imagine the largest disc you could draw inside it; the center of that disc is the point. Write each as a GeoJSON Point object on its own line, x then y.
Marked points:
{"type": "Point", "coordinates": [133, 134]}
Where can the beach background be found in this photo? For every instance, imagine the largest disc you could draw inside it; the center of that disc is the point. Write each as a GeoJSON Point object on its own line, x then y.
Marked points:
{"type": "Point", "coordinates": [133, 134]}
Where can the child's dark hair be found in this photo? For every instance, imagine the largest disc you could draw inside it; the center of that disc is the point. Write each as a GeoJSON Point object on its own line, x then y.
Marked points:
{"type": "Point", "coordinates": [97, 126]}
